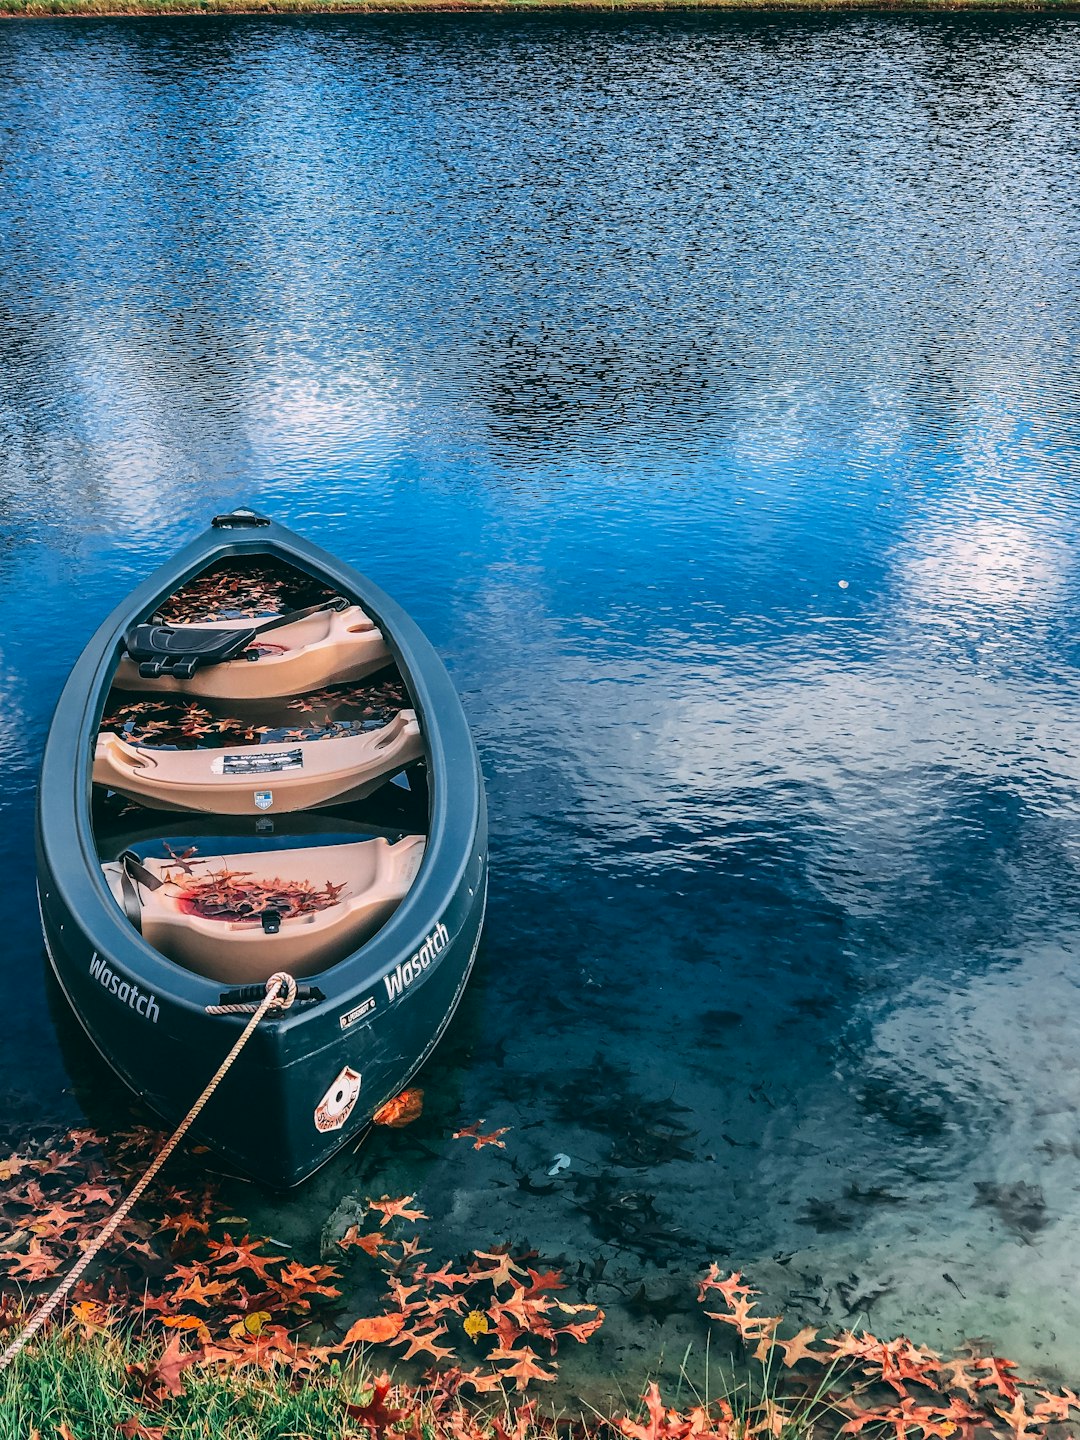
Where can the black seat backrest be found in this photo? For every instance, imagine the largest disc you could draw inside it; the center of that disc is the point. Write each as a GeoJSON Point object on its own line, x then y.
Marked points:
{"type": "Point", "coordinates": [161, 650]}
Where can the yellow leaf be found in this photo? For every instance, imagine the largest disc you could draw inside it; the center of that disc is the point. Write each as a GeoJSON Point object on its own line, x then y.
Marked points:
{"type": "Point", "coordinates": [251, 1324]}
{"type": "Point", "coordinates": [476, 1323]}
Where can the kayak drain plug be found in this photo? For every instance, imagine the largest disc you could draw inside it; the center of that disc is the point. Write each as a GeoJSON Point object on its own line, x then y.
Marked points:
{"type": "Point", "coordinates": [271, 922]}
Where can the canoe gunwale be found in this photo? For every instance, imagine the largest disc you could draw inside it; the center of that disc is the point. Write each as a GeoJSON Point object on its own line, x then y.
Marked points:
{"type": "Point", "coordinates": [68, 862]}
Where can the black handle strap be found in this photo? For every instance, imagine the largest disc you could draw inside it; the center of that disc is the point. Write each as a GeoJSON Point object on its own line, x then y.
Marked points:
{"type": "Point", "coordinates": [337, 602]}
{"type": "Point", "coordinates": [132, 870]}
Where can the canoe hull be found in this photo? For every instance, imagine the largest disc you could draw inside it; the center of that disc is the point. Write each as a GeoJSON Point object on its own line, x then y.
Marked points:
{"type": "Point", "coordinates": [261, 1122]}
{"type": "Point", "coordinates": [311, 1077]}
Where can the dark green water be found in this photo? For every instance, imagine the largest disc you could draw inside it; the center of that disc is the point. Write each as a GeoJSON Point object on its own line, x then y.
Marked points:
{"type": "Point", "coordinates": [707, 388]}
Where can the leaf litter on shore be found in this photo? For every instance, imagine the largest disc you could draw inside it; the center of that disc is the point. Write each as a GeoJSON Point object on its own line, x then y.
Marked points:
{"type": "Point", "coordinates": [221, 1301]}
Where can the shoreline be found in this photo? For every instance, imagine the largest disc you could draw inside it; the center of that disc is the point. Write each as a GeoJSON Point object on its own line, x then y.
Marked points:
{"type": "Point", "coordinates": [199, 1315]}
{"type": "Point", "coordinates": [114, 9]}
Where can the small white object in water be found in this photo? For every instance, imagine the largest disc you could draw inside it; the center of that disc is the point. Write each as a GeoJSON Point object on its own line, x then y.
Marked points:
{"type": "Point", "coordinates": [843, 584]}
{"type": "Point", "coordinates": [561, 1162]}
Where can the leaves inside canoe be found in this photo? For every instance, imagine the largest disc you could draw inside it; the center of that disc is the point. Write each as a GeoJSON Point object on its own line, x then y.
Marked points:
{"type": "Point", "coordinates": [242, 588]}
{"type": "Point", "coordinates": [234, 895]}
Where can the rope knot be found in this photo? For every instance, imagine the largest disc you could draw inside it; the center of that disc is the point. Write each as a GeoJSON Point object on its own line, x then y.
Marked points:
{"type": "Point", "coordinates": [281, 990]}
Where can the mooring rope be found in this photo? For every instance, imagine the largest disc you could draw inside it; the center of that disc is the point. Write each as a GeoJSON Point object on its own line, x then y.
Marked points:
{"type": "Point", "coordinates": [272, 1000]}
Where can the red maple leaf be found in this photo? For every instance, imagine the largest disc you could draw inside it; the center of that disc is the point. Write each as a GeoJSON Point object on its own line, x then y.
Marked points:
{"type": "Point", "coordinates": [375, 1415]}
{"type": "Point", "coordinates": [798, 1347]}
{"type": "Point", "coordinates": [446, 1276]}
{"type": "Point", "coordinates": [183, 1224]}
{"type": "Point", "coordinates": [957, 1378]}
{"type": "Point", "coordinates": [421, 1341]}
{"type": "Point", "coordinates": [999, 1377]}
{"type": "Point", "coordinates": [480, 1381]}
{"type": "Point", "coordinates": [295, 1282]}
{"type": "Point", "coordinates": [503, 1270]}
{"type": "Point", "coordinates": [134, 1429]}
{"type": "Point", "coordinates": [656, 1427]}
{"type": "Point", "coordinates": [402, 1293]}
{"type": "Point", "coordinates": [732, 1288]}
{"type": "Point", "coordinates": [374, 1329]}
{"type": "Point", "coordinates": [163, 1376]}
{"type": "Point", "coordinates": [439, 1305]}
{"type": "Point", "coordinates": [197, 1292]}
{"type": "Point", "coordinates": [400, 1208]}
{"type": "Point", "coordinates": [371, 1243]}
{"type": "Point", "coordinates": [411, 1248]}
{"type": "Point", "coordinates": [543, 1280]}
{"type": "Point", "coordinates": [472, 1132]}
{"type": "Point", "coordinates": [244, 1257]}
{"type": "Point", "coordinates": [91, 1317]}
{"type": "Point", "coordinates": [55, 1219]}
{"type": "Point", "coordinates": [1056, 1406]}
{"type": "Point", "coordinates": [525, 1312]}
{"type": "Point", "coordinates": [492, 1138]}
{"type": "Point", "coordinates": [579, 1329]}
{"type": "Point", "coordinates": [402, 1110]}
{"type": "Point", "coordinates": [93, 1193]}
{"type": "Point", "coordinates": [525, 1369]}
{"type": "Point", "coordinates": [36, 1264]}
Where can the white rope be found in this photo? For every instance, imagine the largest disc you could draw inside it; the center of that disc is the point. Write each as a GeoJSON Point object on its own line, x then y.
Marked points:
{"type": "Point", "coordinates": [272, 1000]}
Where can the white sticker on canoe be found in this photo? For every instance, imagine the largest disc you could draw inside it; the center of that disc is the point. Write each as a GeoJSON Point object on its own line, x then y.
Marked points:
{"type": "Point", "coordinates": [264, 799]}
{"type": "Point", "coordinates": [337, 1104]}
{"type": "Point", "coordinates": [258, 762]}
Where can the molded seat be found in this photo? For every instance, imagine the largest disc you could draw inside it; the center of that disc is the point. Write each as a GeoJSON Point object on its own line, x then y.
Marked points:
{"type": "Point", "coordinates": [373, 876]}
{"type": "Point", "coordinates": [327, 648]}
{"type": "Point", "coordinates": [295, 776]}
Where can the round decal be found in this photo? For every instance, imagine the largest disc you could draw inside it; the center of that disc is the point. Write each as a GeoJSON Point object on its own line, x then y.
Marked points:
{"type": "Point", "coordinates": [337, 1104]}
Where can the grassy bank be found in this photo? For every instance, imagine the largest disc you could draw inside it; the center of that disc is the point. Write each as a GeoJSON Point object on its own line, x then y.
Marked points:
{"type": "Point", "coordinates": [45, 8]}
{"type": "Point", "coordinates": [71, 1388]}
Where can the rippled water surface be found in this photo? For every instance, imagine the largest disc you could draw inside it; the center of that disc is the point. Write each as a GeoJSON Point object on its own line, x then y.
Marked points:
{"type": "Point", "coordinates": [707, 388]}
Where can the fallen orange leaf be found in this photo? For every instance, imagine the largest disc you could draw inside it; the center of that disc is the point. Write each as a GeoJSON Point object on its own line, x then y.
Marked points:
{"type": "Point", "coordinates": [375, 1329]}
{"type": "Point", "coordinates": [402, 1110]}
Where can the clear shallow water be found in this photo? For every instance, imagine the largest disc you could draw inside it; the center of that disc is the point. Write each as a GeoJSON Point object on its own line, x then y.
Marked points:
{"type": "Point", "coordinates": [706, 387]}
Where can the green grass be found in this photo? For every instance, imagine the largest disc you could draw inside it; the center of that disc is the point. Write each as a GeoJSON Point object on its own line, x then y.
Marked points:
{"type": "Point", "coordinates": [65, 1387]}
{"type": "Point", "coordinates": [44, 8]}
{"type": "Point", "coordinates": [85, 1386]}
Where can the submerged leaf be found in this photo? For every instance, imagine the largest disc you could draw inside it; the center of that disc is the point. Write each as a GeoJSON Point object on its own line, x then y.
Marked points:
{"type": "Point", "coordinates": [402, 1110]}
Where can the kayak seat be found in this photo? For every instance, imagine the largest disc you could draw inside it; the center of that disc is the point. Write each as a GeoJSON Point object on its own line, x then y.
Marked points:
{"type": "Point", "coordinates": [230, 660]}
{"type": "Point", "coordinates": [355, 886]}
{"type": "Point", "coordinates": [250, 778]}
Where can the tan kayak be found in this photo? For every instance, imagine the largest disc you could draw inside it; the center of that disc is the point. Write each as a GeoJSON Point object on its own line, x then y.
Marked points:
{"type": "Point", "coordinates": [352, 889]}
{"type": "Point", "coordinates": [250, 778]}
{"type": "Point", "coordinates": [325, 648]}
